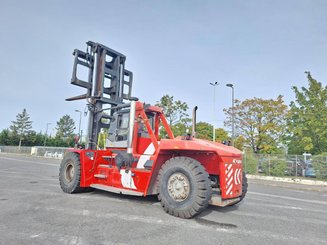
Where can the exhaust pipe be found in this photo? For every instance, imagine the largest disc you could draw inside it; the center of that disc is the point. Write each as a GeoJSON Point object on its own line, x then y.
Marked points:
{"type": "Point", "coordinates": [194, 122]}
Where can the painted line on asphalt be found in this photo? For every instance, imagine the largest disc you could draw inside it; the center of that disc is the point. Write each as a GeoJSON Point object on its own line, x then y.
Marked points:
{"type": "Point", "coordinates": [27, 161]}
{"type": "Point", "coordinates": [36, 235]}
{"type": "Point", "coordinates": [9, 172]}
{"type": "Point", "coordinates": [86, 196]}
{"type": "Point", "coordinates": [298, 191]}
{"type": "Point", "coordinates": [288, 198]}
{"type": "Point", "coordinates": [272, 205]}
{"type": "Point", "coordinates": [282, 206]}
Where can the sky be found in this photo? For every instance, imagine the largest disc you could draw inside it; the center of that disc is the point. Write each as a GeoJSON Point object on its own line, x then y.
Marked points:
{"type": "Point", "coordinates": [172, 47]}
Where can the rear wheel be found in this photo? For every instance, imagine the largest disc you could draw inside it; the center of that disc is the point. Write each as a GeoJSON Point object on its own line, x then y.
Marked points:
{"type": "Point", "coordinates": [70, 173]}
{"type": "Point", "coordinates": [184, 187]}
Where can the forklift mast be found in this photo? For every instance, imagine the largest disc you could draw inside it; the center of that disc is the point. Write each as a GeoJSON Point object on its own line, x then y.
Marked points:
{"type": "Point", "coordinates": [108, 86]}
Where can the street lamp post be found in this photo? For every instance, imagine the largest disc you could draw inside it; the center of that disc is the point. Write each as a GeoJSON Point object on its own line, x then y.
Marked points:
{"type": "Point", "coordinates": [79, 125]}
{"type": "Point", "coordinates": [233, 114]}
{"type": "Point", "coordinates": [46, 134]}
{"type": "Point", "coordinates": [214, 104]}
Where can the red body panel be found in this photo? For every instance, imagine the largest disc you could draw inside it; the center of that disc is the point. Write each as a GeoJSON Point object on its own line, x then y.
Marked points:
{"type": "Point", "coordinates": [101, 162]}
{"type": "Point", "coordinates": [228, 165]}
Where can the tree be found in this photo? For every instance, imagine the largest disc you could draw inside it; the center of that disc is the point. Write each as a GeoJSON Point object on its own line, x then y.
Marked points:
{"type": "Point", "coordinates": [307, 120]}
{"type": "Point", "coordinates": [221, 135]}
{"type": "Point", "coordinates": [22, 126]}
{"type": "Point", "coordinates": [5, 138]}
{"type": "Point", "coordinates": [176, 115]}
{"type": "Point", "coordinates": [34, 139]}
{"type": "Point", "coordinates": [65, 127]}
{"type": "Point", "coordinates": [261, 122]}
{"type": "Point", "coordinates": [240, 142]}
{"type": "Point", "coordinates": [204, 131]}
{"type": "Point", "coordinates": [175, 111]}
{"type": "Point", "coordinates": [181, 128]}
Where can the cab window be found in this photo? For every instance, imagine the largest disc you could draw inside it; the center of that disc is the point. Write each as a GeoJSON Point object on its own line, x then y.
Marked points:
{"type": "Point", "coordinates": [123, 121]}
{"type": "Point", "coordinates": [122, 127]}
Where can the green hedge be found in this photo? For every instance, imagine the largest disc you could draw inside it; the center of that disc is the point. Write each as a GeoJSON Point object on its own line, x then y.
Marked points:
{"type": "Point", "coordinates": [319, 163]}
{"type": "Point", "coordinates": [277, 167]}
{"type": "Point", "coordinates": [250, 163]}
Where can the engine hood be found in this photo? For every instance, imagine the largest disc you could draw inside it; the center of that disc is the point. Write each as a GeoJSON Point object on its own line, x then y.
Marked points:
{"type": "Point", "coordinates": [199, 145]}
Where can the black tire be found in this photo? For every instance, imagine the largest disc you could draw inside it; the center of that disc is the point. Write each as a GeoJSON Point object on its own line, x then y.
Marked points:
{"type": "Point", "coordinates": [244, 188]}
{"type": "Point", "coordinates": [189, 175]}
{"type": "Point", "coordinates": [70, 173]}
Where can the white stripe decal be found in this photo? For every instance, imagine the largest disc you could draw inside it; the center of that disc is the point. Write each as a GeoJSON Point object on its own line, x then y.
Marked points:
{"type": "Point", "coordinates": [229, 189]}
{"type": "Point", "coordinates": [230, 181]}
{"type": "Point", "coordinates": [229, 178]}
{"type": "Point", "coordinates": [146, 155]}
{"type": "Point", "coordinates": [150, 150]}
{"type": "Point", "coordinates": [127, 179]}
{"type": "Point", "coordinates": [230, 173]}
{"type": "Point", "coordinates": [237, 176]}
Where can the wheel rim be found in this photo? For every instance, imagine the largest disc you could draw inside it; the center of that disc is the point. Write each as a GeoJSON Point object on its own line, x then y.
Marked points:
{"type": "Point", "coordinates": [69, 173]}
{"type": "Point", "coordinates": [178, 187]}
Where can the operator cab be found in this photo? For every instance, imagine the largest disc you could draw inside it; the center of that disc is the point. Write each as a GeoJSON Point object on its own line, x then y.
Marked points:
{"type": "Point", "coordinates": [119, 128]}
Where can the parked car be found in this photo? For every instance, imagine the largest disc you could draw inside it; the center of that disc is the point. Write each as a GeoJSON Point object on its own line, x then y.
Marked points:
{"type": "Point", "coordinates": [309, 171]}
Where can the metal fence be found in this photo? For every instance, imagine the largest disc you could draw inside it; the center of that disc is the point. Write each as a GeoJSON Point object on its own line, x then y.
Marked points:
{"type": "Point", "coordinates": [49, 152]}
{"type": "Point", "coordinates": [286, 165]}
{"type": "Point", "coordinates": [15, 149]}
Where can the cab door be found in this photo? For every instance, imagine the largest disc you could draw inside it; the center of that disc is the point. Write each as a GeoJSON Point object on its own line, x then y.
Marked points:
{"type": "Point", "coordinates": [118, 130]}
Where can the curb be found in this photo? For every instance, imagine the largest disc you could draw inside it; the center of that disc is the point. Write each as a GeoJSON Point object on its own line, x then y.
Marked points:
{"type": "Point", "coordinates": [289, 180]}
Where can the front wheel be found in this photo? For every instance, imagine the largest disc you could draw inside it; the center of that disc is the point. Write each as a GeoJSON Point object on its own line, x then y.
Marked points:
{"type": "Point", "coordinates": [70, 173]}
{"type": "Point", "coordinates": [184, 187]}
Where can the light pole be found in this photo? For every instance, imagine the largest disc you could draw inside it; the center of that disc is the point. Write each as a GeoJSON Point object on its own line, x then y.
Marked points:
{"type": "Point", "coordinates": [233, 114]}
{"type": "Point", "coordinates": [46, 134]}
{"type": "Point", "coordinates": [214, 104]}
{"type": "Point", "coordinates": [79, 125]}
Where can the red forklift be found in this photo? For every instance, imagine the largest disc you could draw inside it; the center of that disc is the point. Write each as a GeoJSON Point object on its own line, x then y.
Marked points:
{"type": "Point", "coordinates": [186, 173]}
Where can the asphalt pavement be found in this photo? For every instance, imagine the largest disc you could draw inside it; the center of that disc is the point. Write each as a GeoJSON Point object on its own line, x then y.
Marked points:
{"type": "Point", "coordinates": [34, 210]}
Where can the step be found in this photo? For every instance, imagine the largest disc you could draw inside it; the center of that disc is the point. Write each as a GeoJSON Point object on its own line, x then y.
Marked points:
{"type": "Point", "coordinates": [100, 176]}
{"type": "Point", "coordinates": [117, 190]}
